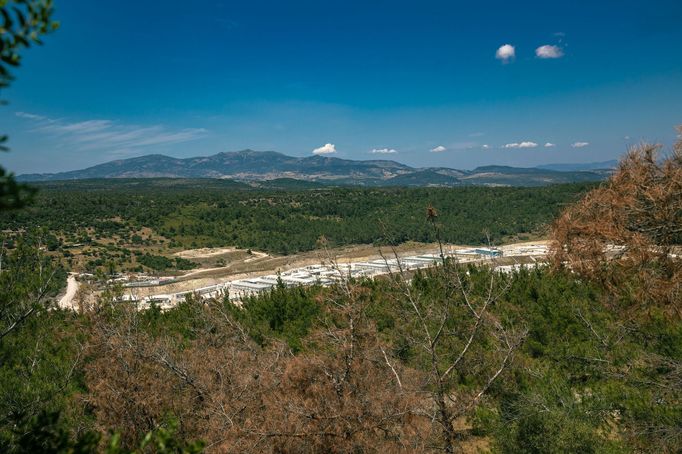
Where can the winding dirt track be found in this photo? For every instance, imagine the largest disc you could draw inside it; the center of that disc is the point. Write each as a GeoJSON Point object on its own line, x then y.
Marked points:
{"type": "Point", "coordinates": [72, 286]}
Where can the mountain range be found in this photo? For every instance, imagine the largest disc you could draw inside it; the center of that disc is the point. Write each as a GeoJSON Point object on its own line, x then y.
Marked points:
{"type": "Point", "coordinates": [249, 165]}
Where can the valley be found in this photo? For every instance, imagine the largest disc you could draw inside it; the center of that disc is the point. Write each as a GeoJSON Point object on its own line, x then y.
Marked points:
{"type": "Point", "coordinates": [249, 274]}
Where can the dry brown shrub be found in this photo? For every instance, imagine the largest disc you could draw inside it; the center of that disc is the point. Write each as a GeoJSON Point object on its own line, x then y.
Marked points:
{"type": "Point", "coordinates": [344, 394]}
{"type": "Point", "coordinates": [627, 234]}
{"type": "Point", "coordinates": [212, 385]}
{"type": "Point", "coordinates": [239, 397]}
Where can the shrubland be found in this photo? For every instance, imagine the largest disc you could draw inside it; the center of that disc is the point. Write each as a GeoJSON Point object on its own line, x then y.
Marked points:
{"type": "Point", "coordinates": [576, 356]}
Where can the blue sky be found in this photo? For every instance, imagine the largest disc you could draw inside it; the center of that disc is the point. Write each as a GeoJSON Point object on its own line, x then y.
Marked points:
{"type": "Point", "coordinates": [360, 79]}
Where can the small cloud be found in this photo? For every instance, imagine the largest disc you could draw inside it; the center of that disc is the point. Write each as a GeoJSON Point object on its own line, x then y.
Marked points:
{"type": "Point", "coordinates": [30, 116]}
{"type": "Point", "coordinates": [521, 145]}
{"type": "Point", "coordinates": [505, 53]}
{"type": "Point", "coordinates": [550, 145]}
{"type": "Point", "coordinates": [384, 150]}
{"type": "Point", "coordinates": [580, 144]}
{"type": "Point", "coordinates": [438, 149]}
{"type": "Point", "coordinates": [81, 127]}
{"type": "Point", "coordinates": [626, 137]}
{"type": "Point", "coordinates": [477, 134]}
{"type": "Point", "coordinates": [485, 146]}
{"type": "Point", "coordinates": [325, 149]}
{"type": "Point", "coordinates": [549, 51]}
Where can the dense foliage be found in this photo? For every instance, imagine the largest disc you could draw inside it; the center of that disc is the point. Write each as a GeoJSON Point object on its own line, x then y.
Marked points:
{"type": "Point", "coordinates": [584, 379]}
{"type": "Point", "coordinates": [283, 313]}
{"type": "Point", "coordinates": [205, 213]}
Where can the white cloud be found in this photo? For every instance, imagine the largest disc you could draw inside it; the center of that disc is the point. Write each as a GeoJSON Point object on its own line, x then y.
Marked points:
{"type": "Point", "coordinates": [107, 135]}
{"type": "Point", "coordinates": [485, 146]}
{"type": "Point", "coordinates": [580, 144]}
{"type": "Point", "coordinates": [550, 145]}
{"type": "Point", "coordinates": [325, 149]}
{"type": "Point", "coordinates": [549, 51]}
{"type": "Point", "coordinates": [438, 149]}
{"type": "Point", "coordinates": [477, 134]}
{"type": "Point", "coordinates": [162, 137]}
{"type": "Point", "coordinates": [521, 145]}
{"type": "Point", "coordinates": [384, 150]}
{"type": "Point", "coordinates": [505, 53]}
{"type": "Point", "coordinates": [30, 116]}
{"type": "Point", "coordinates": [81, 127]}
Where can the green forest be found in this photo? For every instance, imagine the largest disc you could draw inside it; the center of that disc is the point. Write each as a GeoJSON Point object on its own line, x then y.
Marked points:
{"type": "Point", "coordinates": [199, 213]}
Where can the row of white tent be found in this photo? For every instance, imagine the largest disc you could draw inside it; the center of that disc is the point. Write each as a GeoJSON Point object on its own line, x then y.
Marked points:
{"type": "Point", "coordinates": [320, 274]}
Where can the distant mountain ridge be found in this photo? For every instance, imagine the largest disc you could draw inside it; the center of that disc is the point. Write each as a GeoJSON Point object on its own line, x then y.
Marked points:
{"type": "Point", "coordinates": [603, 165]}
{"type": "Point", "coordinates": [249, 165]}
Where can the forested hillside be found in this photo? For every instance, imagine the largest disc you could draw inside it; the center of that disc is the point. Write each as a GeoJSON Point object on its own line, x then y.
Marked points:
{"type": "Point", "coordinates": [197, 213]}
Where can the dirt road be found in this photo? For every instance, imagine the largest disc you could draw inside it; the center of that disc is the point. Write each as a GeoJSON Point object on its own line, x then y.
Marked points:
{"type": "Point", "coordinates": [72, 286]}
